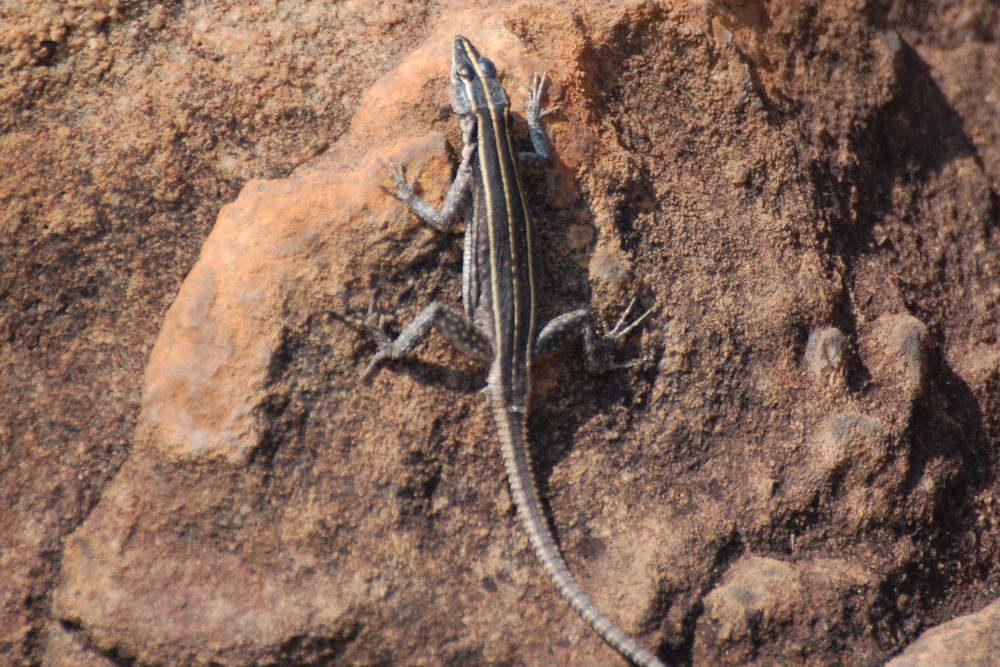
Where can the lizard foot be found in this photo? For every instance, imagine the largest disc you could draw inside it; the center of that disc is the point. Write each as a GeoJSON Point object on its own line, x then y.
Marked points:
{"type": "Point", "coordinates": [404, 190]}
{"type": "Point", "coordinates": [608, 340]}
{"type": "Point", "coordinates": [373, 324]}
{"type": "Point", "coordinates": [533, 110]}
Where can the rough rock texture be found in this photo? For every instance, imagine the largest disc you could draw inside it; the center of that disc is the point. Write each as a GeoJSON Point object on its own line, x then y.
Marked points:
{"type": "Point", "coordinates": [972, 639]}
{"type": "Point", "coordinates": [801, 471]}
{"type": "Point", "coordinates": [759, 599]}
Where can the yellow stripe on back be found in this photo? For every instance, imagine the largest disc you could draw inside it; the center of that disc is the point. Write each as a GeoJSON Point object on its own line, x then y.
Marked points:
{"type": "Point", "coordinates": [500, 133]}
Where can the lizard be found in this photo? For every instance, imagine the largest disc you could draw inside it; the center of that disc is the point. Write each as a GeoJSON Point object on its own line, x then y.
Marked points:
{"type": "Point", "coordinates": [499, 325]}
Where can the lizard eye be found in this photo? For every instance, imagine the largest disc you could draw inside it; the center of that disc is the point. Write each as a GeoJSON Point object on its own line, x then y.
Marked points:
{"type": "Point", "coordinates": [465, 71]}
{"type": "Point", "coordinates": [487, 66]}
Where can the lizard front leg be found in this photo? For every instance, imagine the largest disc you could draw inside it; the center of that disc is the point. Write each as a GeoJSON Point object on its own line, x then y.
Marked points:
{"type": "Point", "coordinates": [533, 113]}
{"type": "Point", "coordinates": [458, 193]}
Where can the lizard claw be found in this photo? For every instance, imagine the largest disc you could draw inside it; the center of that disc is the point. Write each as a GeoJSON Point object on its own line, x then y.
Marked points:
{"type": "Point", "coordinates": [404, 191]}
{"type": "Point", "coordinates": [608, 340]}
{"type": "Point", "coordinates": [375, 361]}
{"type": "Point", "coordinates": [620, 330]}
{"type": "Point", "coordinates": [373, 323]}
{"type": "Point", "coordinates": [533, 104]}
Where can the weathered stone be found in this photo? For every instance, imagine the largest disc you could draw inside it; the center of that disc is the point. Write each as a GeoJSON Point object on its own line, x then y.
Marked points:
{"type": "Point", "coordinates": [762, 598]}
{"type": "Point", "coordinates": [826, 355]}
{"type": "Point", "coordinates": [280, 244]}
{"type": "Point", "coordinates": [972, 640]}
{"type": "Point", "coordinates": [750, 170]}
{"type": "Point", "coordinates": [849, 442]}
{"type": "Point", "coordinates": [898, 356]}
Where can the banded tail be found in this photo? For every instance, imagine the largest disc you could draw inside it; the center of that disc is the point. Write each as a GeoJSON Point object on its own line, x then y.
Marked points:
{"type": "Point", "coordinates": [513, 444]}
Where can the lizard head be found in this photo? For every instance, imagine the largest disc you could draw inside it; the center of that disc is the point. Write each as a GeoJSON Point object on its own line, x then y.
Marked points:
{"type": "Point", "coordinates": [474, 85]}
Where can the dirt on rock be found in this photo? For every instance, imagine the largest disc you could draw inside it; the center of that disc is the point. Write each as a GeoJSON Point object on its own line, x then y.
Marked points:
{"type": "Point", "coordinates": [800, 470]}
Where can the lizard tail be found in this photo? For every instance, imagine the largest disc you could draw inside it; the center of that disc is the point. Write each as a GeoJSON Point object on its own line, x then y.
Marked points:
{"type": "Point", "coordinates": [520, 475]}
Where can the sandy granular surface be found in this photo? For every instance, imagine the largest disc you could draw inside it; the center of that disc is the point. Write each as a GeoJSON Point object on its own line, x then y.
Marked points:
{"type": "Point", "coordinates": [800, 471]}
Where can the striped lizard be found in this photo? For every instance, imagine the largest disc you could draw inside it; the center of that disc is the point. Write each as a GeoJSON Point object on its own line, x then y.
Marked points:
{"type": "Point", "coordinates": [499, 324]}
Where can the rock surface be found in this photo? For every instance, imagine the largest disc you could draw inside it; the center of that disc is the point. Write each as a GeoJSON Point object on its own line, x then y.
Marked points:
{"type": "Point", "coordinates": [763, 599]}
{"type": "Point", "coordinates": [967, 641]}
{"type": "Point", "coordinates": [802, 470]}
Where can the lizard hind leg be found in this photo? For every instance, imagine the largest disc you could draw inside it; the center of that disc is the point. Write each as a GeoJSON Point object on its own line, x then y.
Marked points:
{"type": "Point", "coordinates": [597, 344]}
{"type": "Point", "coordinates": [455, 327]}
